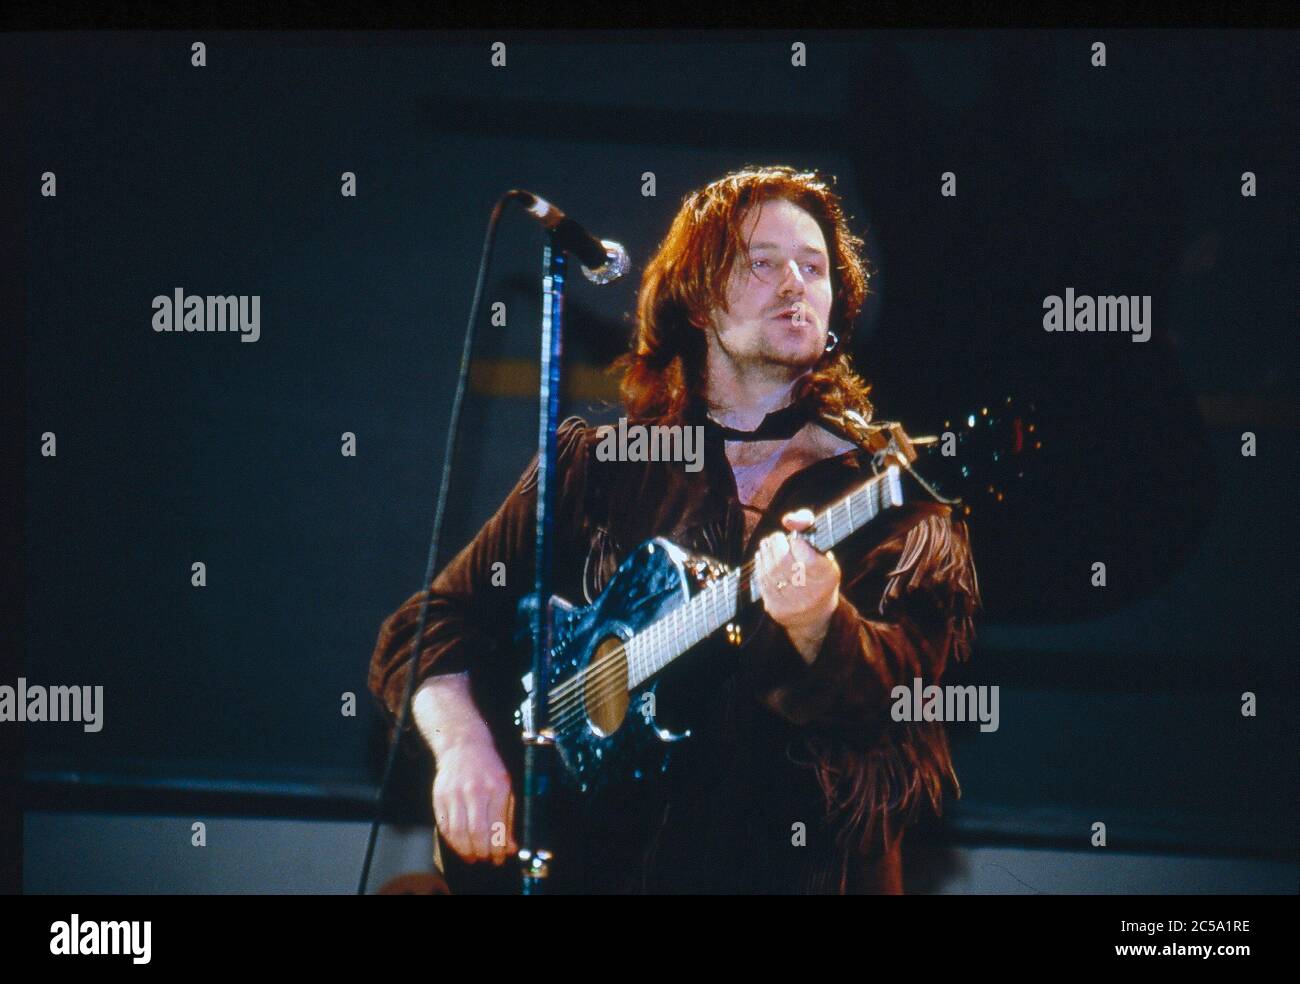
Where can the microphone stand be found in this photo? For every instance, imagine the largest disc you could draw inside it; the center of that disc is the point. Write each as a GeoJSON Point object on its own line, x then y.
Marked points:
{"type": "Point", "coordinates": [535, 854]}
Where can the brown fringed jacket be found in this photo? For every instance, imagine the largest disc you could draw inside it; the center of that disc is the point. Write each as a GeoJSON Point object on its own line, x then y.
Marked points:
{"type": "Point", "coordinates": [798, 779]}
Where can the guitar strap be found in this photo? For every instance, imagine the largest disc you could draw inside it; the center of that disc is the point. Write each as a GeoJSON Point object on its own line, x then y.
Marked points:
{"type": "Point", "coordinates": [883, 437]}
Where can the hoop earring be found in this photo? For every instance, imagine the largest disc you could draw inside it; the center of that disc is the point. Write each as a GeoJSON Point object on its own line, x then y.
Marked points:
{"type": "Point", "coordinates": [835, 340]}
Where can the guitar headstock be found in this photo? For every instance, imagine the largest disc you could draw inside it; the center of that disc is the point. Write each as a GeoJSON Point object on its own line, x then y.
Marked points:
{"type": "Point", "coordinates": [986, 456]}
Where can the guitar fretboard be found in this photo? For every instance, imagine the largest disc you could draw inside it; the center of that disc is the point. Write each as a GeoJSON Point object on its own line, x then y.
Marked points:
{"type": "Point", "coordinates": [652, 649]}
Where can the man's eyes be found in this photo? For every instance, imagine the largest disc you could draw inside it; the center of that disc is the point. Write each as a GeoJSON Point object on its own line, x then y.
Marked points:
{"type": "Point", "coordinates": [816, 267]}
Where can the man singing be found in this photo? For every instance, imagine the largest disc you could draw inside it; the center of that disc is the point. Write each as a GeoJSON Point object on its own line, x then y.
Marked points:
{"type": "Point", "coordinates": [797, 779]}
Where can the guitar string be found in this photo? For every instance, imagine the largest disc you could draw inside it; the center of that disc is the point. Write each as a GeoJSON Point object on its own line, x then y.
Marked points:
{"type": "Point", "coordinates": [653, 633]}
{"type": "Point", "coordinates": [604, 673]}
{"type": "Point", "coordinates": [601, 675]}
{"type": "Point", "coordinates": [602, 678]}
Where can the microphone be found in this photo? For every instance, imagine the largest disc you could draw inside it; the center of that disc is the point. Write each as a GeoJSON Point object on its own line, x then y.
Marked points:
{"type": "Point", "coordinates": [602, 260]}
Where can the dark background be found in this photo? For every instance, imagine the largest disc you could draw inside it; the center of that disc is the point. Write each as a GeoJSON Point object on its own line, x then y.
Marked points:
{"type": "Point", "coordinates": [1119, 704]}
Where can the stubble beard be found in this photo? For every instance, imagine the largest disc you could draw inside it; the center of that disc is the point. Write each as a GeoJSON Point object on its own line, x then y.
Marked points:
{"type": "Point", "coordinates": [773, 358]}
{"type": "Point", "coordinates": [792, 358]}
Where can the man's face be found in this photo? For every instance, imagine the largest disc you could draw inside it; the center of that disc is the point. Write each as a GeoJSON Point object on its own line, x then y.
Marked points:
{"type": "Point", "coordinates": [788, 267]}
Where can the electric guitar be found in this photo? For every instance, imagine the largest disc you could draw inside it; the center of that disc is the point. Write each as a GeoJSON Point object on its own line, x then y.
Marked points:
{"type": "Point", "coordinates": [607, 657]}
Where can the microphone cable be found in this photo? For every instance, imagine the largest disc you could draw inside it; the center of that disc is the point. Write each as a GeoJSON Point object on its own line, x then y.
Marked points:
{"type": "Point", "coordinates": [431, 565]}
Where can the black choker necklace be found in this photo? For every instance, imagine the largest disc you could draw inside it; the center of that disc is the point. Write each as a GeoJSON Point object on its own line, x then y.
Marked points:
{"type": "Point", "coordinates": [779, 425]}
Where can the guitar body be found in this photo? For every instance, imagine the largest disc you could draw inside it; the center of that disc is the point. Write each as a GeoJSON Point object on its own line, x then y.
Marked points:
{"type": "Point", "coordinates": [607, 732]}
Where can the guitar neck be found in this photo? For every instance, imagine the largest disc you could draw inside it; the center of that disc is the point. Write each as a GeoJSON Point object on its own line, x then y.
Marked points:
{"type": "Point", "coordinates": [652, 649]}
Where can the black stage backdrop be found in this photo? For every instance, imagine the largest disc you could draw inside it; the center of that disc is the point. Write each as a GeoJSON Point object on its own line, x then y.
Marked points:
{"type": "Point", "coordinates": [173, 449]}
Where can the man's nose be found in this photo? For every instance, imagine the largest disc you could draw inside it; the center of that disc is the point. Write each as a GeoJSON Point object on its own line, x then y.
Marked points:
{"type": "Point", "coordinates": [789, 283]}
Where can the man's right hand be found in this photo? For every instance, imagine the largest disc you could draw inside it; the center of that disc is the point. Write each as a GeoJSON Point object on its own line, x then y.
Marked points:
{"type": "Point", "coordinates": [473, 803]}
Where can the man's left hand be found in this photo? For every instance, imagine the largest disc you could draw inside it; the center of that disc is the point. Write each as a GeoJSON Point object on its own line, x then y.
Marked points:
{"type": "Point", "coordinates": [800, 587]}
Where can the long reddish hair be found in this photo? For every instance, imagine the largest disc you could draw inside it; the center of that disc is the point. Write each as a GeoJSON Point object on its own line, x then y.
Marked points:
{"type": "Point", "coordinates": [664, 372]}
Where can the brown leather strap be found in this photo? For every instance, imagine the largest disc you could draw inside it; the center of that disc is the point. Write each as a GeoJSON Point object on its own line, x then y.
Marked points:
{"type": "Point", "coordinates": [874, 436]}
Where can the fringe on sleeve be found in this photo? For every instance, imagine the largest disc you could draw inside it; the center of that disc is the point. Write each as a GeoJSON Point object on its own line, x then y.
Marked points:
{"type": "Point", "coordinates": [883, 785]}
{"type": "Point", "coordinates": [936, 572]}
